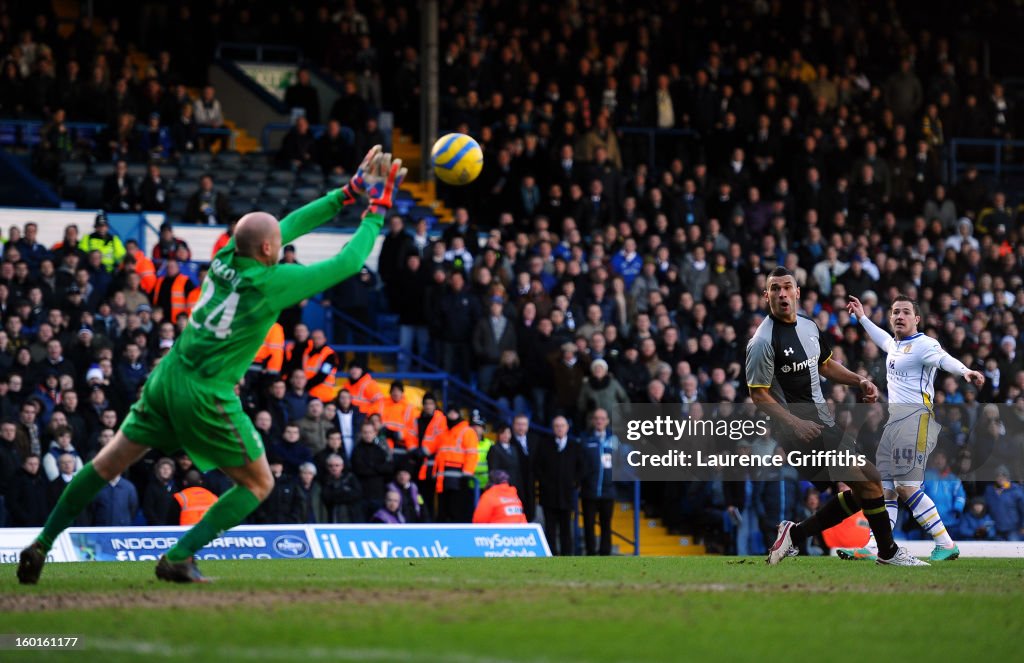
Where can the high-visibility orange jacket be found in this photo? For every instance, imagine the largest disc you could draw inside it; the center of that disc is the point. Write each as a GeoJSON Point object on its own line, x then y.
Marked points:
{"type": "Point", "coordinates": [500, 504]}
{"type": "Point", "coordinates": [271, 353]}
{"type": "Point", "coordinates": [851, 533]}
{"type": "Point", "coordinates": [191, 299]}
{"type": "Point", "coordinates": [401, 418]}
{"type": "Point", "coordinates": [365, 393]}
{"type": "Point", "coordinates": [457, 454]}
{"type": "Point", "coordinates": [431, 441]}
{"type": "Point", "coordinates": [173, 295]}
{"type": "Point", "coordinates": [194, 503]}
{"type": "Point", "coordinates": [321, 367]}
{"type": "Point", "coordinates": [146, 271]}
{"type": "Point", "coordinates": [221, 242]}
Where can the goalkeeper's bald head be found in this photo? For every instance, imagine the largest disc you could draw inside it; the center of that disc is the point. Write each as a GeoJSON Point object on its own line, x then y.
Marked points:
{"type": "Point", "coordinates": [258, 236]}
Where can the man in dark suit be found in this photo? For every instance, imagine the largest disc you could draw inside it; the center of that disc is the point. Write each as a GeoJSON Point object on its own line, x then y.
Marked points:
{"type": "Point", "coordinates": [525, 444]}
{"type": "Point", "coordinates": [349, 420]}
{"type": "Point", "coordinates": [558, 464]}
{"type": "Point", "coordinates": [506, 455]}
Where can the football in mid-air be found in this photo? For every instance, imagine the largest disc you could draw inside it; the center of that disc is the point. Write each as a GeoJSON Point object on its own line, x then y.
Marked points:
{"type": "Point", "coordinates": [457, 159]}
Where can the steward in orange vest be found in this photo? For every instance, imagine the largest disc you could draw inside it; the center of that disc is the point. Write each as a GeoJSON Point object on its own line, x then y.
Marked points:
{"type": "Point", "coordinates": [399, 416]}
{"type": "Point", "coordinates": [320, 364]}
{"type": "Point", "coordinates": [453, 466]}
{"type": "Point", "coordinates": [431, 427]}
{"type": "Point", "coordinates": [194, 501]}
{"type": "Point", "coordinates": [364, 389]}
{"type": "Point", "coordinates": [270, 357]}
{"type": "Point", "coordinates": [171, 291]}
{"type": "Point", "coordinates": [500, 503]}
{"type": "Point", "coordinates": [144, 267]}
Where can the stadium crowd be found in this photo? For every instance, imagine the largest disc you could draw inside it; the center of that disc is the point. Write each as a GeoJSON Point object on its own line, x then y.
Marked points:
{"type": "Point", "coordinates": [582, 270]}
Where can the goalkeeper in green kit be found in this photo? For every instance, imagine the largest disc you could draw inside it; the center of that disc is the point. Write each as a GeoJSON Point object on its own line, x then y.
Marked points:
{"type": "Point", "coordinates": [189, 400]}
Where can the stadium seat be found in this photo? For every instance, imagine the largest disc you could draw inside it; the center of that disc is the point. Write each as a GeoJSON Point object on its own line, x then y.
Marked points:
{"type": "Point", "coordinates": [337, 181]}
{"type": "Point", "coordinates": [231, 160]}
{"type": "Point", "coordinates": [191, 172]}
{"type": "Point", "coordinates": [201, 159]}
{"type": "Point", "coordinates": [306, 193]}
{"type": "Point", "coordinates": [278, 193]}
{"type": "Point", "coordinates": [311, 178]}
{"type": "Point", "coordinates": [73, 169]}
{"type": "Point", "coordinates": [282, 176]}
{"type": "Point", "coordinates": [103, 169]}
{"type": "Point", "coordinates": [252, 176]}
{"type": "Point", "coordinates": [137, 170]}
{"type": "Point", "coordinates": [247, 190]}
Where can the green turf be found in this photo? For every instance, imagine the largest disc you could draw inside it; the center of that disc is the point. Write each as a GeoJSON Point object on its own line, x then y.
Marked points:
{"type": "Point", "coordinates": [583, 609]}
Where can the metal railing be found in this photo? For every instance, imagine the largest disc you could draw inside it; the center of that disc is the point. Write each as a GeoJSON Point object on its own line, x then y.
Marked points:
{"type": "Point", "coordinates": [997, 166]}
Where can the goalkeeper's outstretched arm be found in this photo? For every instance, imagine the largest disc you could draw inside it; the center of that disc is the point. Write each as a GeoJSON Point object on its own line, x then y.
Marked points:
{"type": "Point", "coordinates": [310, 217]}
{"type": "Point", "coordinates": [292, 283]}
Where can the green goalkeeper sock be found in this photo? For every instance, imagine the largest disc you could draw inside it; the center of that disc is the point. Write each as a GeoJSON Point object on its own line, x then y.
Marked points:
{"type": "Point", "coordinates": [73, 500]}
{"type": "Point", "coordinates": [229, 510]}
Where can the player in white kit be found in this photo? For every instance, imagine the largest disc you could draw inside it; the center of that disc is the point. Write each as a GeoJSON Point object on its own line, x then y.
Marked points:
{"type": "Point", "coordinates": [912, 360]}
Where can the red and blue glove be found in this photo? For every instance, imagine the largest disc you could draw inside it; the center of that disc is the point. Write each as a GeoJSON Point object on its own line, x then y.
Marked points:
{"type": "Point", "coordinates": [386, 185]}
{"type": "Point", "coordinates": [357, 186]}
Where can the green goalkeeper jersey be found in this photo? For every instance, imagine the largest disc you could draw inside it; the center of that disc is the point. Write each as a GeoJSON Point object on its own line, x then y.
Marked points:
{"type": "Point", "coordinates": [241, 298]}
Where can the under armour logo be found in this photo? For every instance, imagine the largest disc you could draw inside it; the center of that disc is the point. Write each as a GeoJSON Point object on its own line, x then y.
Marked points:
{"type": "Point", "coordinates": [787, 351]}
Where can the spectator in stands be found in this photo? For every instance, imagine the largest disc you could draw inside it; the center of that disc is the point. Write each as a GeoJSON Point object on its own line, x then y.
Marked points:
{"type": "Point", "coordinates": [290, 451]}
{"type": "Point", "coordinates": [158, 497]}
{"type": "Point", "coordinates": [302, 94]}
{"type": "Point", "coordinates": [350, 109]}
{"type": "Point", "coordinates": [185, 133]}
{"type": "Point", "coordinates": [298, 147]}
{"type": "Point", "coordinates": [153, 193]}
{"type": "Point", "coordinates": [342, 493]}
{"type": "Point", "coordinates": [284, 505]}
{"type": "Point", "coordinates": [391, 512]}
{"type": "Point", "coordinates": [209, 115]}
{"type": "Point", "coordinates": [373, 466]}
{"type": "Point", "coordinates": [976, 523]}
{"type": "Point", "coordinates": [1005, 501]}
{"type": "Point", "coordinates": [492, 336]}
{"type": "Point", "coordinates": [313, 427]}
{"type": "Point", "coordinates": [27, 496]}
{"type": "Point", "coordinates": [599, 447]}
{"type": "Point", "coordinates": [600, 391]}
{"type": "Point", "coordinates": [558, 466]}
{"type": "Point", "coordinates": [116, 505]}
{"type": "Point", "coordinates": [65, 472]}
{"type": "Point", "coordinates": [509, 385]}
{"type": "Point", "coordinates": [333, 152]}
{"type": "Point", "coordinates": [207, 206]}
{"type": "Point", "coordinates": [311, 493]}
{"type": "Point", "coordinates": [156, 140]}
{"type": "Point", "coordinates": [411, 503]}
{"type": "Point", "coordinates": [119, 190]}
{"type": "Point", "coordinates": [60, 446]}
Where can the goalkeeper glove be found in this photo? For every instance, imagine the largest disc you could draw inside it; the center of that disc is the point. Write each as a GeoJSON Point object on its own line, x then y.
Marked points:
{"type": "Point", "coordinates": [357, 185]}
{"type": "Point", "coordinates": [388, 184]}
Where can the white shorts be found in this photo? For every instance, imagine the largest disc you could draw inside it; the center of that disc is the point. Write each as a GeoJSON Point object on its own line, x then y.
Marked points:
{"type": "Point", "coordinates": [903, 451]}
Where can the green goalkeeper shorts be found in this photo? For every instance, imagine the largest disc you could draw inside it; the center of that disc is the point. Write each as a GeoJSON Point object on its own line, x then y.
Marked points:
{"type": "Point", "coordinates": [179, 410]}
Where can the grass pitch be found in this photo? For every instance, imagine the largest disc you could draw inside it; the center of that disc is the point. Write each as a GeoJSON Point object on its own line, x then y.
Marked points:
{"type": "Point", "coordinates": [495, 610]}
